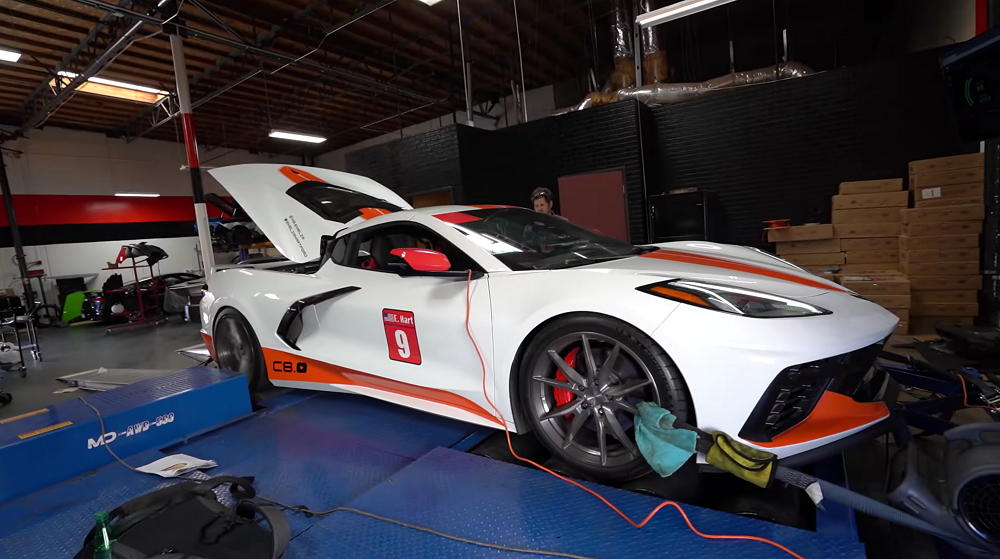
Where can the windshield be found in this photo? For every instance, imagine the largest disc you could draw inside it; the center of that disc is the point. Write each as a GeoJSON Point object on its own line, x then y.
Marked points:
{"type": "Point", "coordinates": [526, 240]}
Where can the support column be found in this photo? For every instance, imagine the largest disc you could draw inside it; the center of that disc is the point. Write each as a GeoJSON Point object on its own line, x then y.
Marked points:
{"type": "Point", "coordinates": [15, 235]}
{"type": "Point", "coordinates": [191, 146]}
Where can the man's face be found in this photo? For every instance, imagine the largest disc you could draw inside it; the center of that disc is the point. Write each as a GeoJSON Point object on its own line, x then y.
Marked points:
{"type": "Point", "coordinates": [542, 205]}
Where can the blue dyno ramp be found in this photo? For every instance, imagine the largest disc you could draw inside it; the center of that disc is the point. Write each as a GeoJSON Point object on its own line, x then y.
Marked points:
{"type": "Point", "coordinates": [51, 445]}
{"type": "Point", "coordinates": [490, 501]}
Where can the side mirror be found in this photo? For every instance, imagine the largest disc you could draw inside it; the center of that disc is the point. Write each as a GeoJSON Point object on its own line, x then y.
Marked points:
{"type": "Point", "coordinates": [409, 260]}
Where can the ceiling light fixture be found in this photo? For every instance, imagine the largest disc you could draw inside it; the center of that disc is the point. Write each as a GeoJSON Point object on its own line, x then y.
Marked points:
{"type": "Point", "coordinates": [9, 55]}
{"type": "Point", "coordinates": [430, 2]}
{"type": "Point", "coordinates": [112, 88]}
{"type": "Point", "coordinates": [297, 137]}
{"type": "Point", "coordinates": [138, 194]}
{"type": "Point", "coordinates": [677, 11]}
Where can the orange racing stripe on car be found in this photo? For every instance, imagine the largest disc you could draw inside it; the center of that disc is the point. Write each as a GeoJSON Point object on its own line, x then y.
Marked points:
{"type": "Point", "coordinates": [833, 414]}
{"type": "Point", "coordinates": [298, 175]}
{"type": "Point", "coordinates": [210, 346]}
{"type": "Point", "coordinates": [328, 373]}
{"type": "Point", "coordinates": [368, 213]}
{"type": "Point", "coordinates": [715, 262]}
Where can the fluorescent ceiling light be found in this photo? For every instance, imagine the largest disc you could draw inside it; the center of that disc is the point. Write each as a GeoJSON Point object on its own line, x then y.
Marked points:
{"type": "Point", "coordinates": [116, 89]}
{"type": "Point", "coordinates": [677, 11]}
{"type": "Point", "coordinates": [9, 55]}
{"type": "Point", "coordinates": [297, 137]}
{"type": "Point", "coordinates": [430, 2]}
{"type": "Point", "coordinates": [138, 194]}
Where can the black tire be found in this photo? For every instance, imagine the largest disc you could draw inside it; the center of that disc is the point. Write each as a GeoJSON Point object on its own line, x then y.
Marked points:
{"type": "Point", "coordinates": [5, 398]}
{"type": "Point", "coordinates": [641, 367]}
{"type": "Point", "coordinates": [238, 350]}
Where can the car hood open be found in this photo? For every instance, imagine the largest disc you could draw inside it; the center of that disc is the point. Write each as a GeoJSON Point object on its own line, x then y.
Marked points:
{"type": "Point", "coordinates": [296, 206]}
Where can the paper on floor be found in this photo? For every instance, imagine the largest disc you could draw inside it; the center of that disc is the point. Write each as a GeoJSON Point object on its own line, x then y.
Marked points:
{"type": "Point", "coordinates": [176, 465]}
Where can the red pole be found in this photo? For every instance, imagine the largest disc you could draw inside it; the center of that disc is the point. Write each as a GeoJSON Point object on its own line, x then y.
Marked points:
{"type": "Point", "coordinates": [191, 146]}
{"type": "Point", "coordinates": [982, 14]}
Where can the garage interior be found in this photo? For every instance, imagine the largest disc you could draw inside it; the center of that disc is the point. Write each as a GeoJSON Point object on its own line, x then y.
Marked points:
{"type": "Point", "coordinates": [851, 146]}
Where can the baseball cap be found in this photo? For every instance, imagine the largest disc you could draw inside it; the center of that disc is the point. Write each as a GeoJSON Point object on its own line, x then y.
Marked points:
{"type": "Point", "coordinates": [541, 192]}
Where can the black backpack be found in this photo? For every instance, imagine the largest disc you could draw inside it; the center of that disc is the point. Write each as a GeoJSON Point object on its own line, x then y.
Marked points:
{"type": "Point", "coordinates": [187, 521]}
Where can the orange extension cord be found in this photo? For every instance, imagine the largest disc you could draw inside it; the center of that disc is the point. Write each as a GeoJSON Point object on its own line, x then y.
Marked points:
{"type": "Point", "coordinates": [482, 362]}
{"type": "Point", "coordinates": [965, 396]}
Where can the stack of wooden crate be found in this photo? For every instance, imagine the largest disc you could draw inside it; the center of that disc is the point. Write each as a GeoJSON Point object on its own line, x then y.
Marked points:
{"type": "Point", "coordinates": [888, 289]}
{"type": "Point", "coordinates": [866, 220]}
{"type": "Point", "coordinates": [939, 241]}
{"type": "Point", "coordinates": [813, 247]}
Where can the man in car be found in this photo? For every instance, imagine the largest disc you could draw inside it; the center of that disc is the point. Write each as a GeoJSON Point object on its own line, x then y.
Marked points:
{"type": "Point", "coordinates": [537, 236]}
{"type": "Point", "coordinates": [541, 200]}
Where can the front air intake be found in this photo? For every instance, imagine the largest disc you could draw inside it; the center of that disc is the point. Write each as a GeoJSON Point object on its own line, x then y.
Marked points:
{"type": "Point", "coordinates": [790, 399]}
{"type": "Point", "coordinates": [796, 390]}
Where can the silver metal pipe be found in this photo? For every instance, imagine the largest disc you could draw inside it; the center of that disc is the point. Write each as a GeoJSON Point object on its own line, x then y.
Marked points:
{"type": "Point", "coordinates": [520, 59]}
{"type": "Point", "coordinates": [465, 75]}
{"type": "Point", "coordinates": [191, 146]}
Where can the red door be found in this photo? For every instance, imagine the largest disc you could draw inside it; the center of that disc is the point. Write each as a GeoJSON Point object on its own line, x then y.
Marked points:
{"type": "Point", "coordinates": [595, 201]}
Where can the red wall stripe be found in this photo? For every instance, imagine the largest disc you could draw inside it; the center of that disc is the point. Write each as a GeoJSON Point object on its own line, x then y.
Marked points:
{"type": "Point", "coordinates": [52, 209]}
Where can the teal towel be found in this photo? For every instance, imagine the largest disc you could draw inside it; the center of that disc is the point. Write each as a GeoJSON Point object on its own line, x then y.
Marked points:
{"type": "Point", "coordinates": [665, 447]}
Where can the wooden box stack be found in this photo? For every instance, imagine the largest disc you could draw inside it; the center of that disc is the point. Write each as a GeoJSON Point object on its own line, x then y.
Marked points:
{"type": "Point", "coordinates": [813, 247]}
{"type": "Point", "coordinates": [866, 220]}
{"type": "Point", "coordinates": [888, 289]}
{"type": "Point", "coordinates": [939, 240]}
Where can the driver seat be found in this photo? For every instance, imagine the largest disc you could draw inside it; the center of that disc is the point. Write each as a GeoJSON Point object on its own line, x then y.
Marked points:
{"type": "Point", "coordinates": [381, 246]}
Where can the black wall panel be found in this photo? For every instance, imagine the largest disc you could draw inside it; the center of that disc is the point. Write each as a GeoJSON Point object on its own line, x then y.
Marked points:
{"type": "Point", "coordinates": [779, 150]}
{"type": "Point", "coordinates": [504, 166]}
{"type": "Point", "coordinates": [413, 164]}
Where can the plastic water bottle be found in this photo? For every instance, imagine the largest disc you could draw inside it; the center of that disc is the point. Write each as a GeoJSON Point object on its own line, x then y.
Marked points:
{"type": "Point", "coordinates": [102, 536]}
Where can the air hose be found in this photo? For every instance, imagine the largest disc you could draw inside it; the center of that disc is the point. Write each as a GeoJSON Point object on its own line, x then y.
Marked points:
{"type": "Point", "coordinates": [863, 504]}
{"type": "Point", "coordinates": [761, 467]}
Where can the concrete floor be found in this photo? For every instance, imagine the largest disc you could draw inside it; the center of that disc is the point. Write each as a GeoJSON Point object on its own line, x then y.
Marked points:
{"type": "Point", "coordinates": [87, 346]}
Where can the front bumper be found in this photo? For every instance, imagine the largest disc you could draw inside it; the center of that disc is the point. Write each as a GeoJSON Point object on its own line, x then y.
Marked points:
{"type": "Point", "coordinates": [730, 363]}
{"type": "Point", "coordinates": [846, 388]}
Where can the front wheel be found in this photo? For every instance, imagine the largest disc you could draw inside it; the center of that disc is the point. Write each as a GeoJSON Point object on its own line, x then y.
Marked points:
{"type": "Point", "coordinates": [580, 381]}
{"type": "Point", "coordinates": [238, 350]}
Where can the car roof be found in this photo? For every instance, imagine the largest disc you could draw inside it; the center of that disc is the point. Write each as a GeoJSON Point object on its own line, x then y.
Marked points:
{"type": "Point", "coordinates": [436, 210]}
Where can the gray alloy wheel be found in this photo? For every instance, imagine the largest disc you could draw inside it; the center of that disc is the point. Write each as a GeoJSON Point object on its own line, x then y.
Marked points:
{"type": "Point", "coordinates": [237, 348]}
{"type": "Point", "coordinates": [581, 380]}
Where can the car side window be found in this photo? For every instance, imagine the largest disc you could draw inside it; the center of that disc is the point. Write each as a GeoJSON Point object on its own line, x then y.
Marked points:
{"type": "Point", "coordinates": [371, 248]}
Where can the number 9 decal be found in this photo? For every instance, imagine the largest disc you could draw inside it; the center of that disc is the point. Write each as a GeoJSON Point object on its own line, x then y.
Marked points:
{"type": "Point", "coordinates": [401, 336]}
{"type": "Point", "coordinates": [402, 344]}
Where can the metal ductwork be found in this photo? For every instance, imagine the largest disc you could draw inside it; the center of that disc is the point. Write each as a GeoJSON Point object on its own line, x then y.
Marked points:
{"type": "Point", "coordinates": [671, 93]}
{"type": "Point", "coordinates": [654, 58]}
{"type": "Point", "coordinates": [623, 74]}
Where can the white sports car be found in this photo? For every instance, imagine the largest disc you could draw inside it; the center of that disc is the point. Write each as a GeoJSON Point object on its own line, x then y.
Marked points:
{"type": "Point", "coordinates": [575, 328]}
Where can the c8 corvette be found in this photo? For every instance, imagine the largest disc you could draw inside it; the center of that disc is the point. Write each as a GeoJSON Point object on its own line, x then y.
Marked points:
{"type": "Point", "coordinates": [575, 327]}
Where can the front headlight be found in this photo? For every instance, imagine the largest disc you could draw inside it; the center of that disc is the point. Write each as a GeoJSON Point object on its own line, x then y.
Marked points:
{"type": "Point", "coordinates": [732, 300]}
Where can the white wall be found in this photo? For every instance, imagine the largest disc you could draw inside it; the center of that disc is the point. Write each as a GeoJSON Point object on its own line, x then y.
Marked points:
{"type": "Point", "coordinates": [936, 23]}
{"type": "Point", "coordinates": [61, 161]}
{"type": "Point", "coordinates": [72, 162]}
{"type": "Point", "coordinates": [541, 103]}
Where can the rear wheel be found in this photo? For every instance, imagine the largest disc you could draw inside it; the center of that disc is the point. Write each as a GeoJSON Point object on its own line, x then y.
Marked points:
{"type": "Point", "coordinates": [238, 350]}
{"type": "Point", "coordinates": [580, 382]}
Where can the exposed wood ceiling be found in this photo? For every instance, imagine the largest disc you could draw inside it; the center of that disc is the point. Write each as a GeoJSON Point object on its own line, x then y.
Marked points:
{"type": "Point", "coordinates": [396, 66]}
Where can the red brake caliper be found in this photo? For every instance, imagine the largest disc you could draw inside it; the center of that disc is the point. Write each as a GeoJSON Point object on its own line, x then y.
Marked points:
{"type": "Point", "coordinates": [561, 395]}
